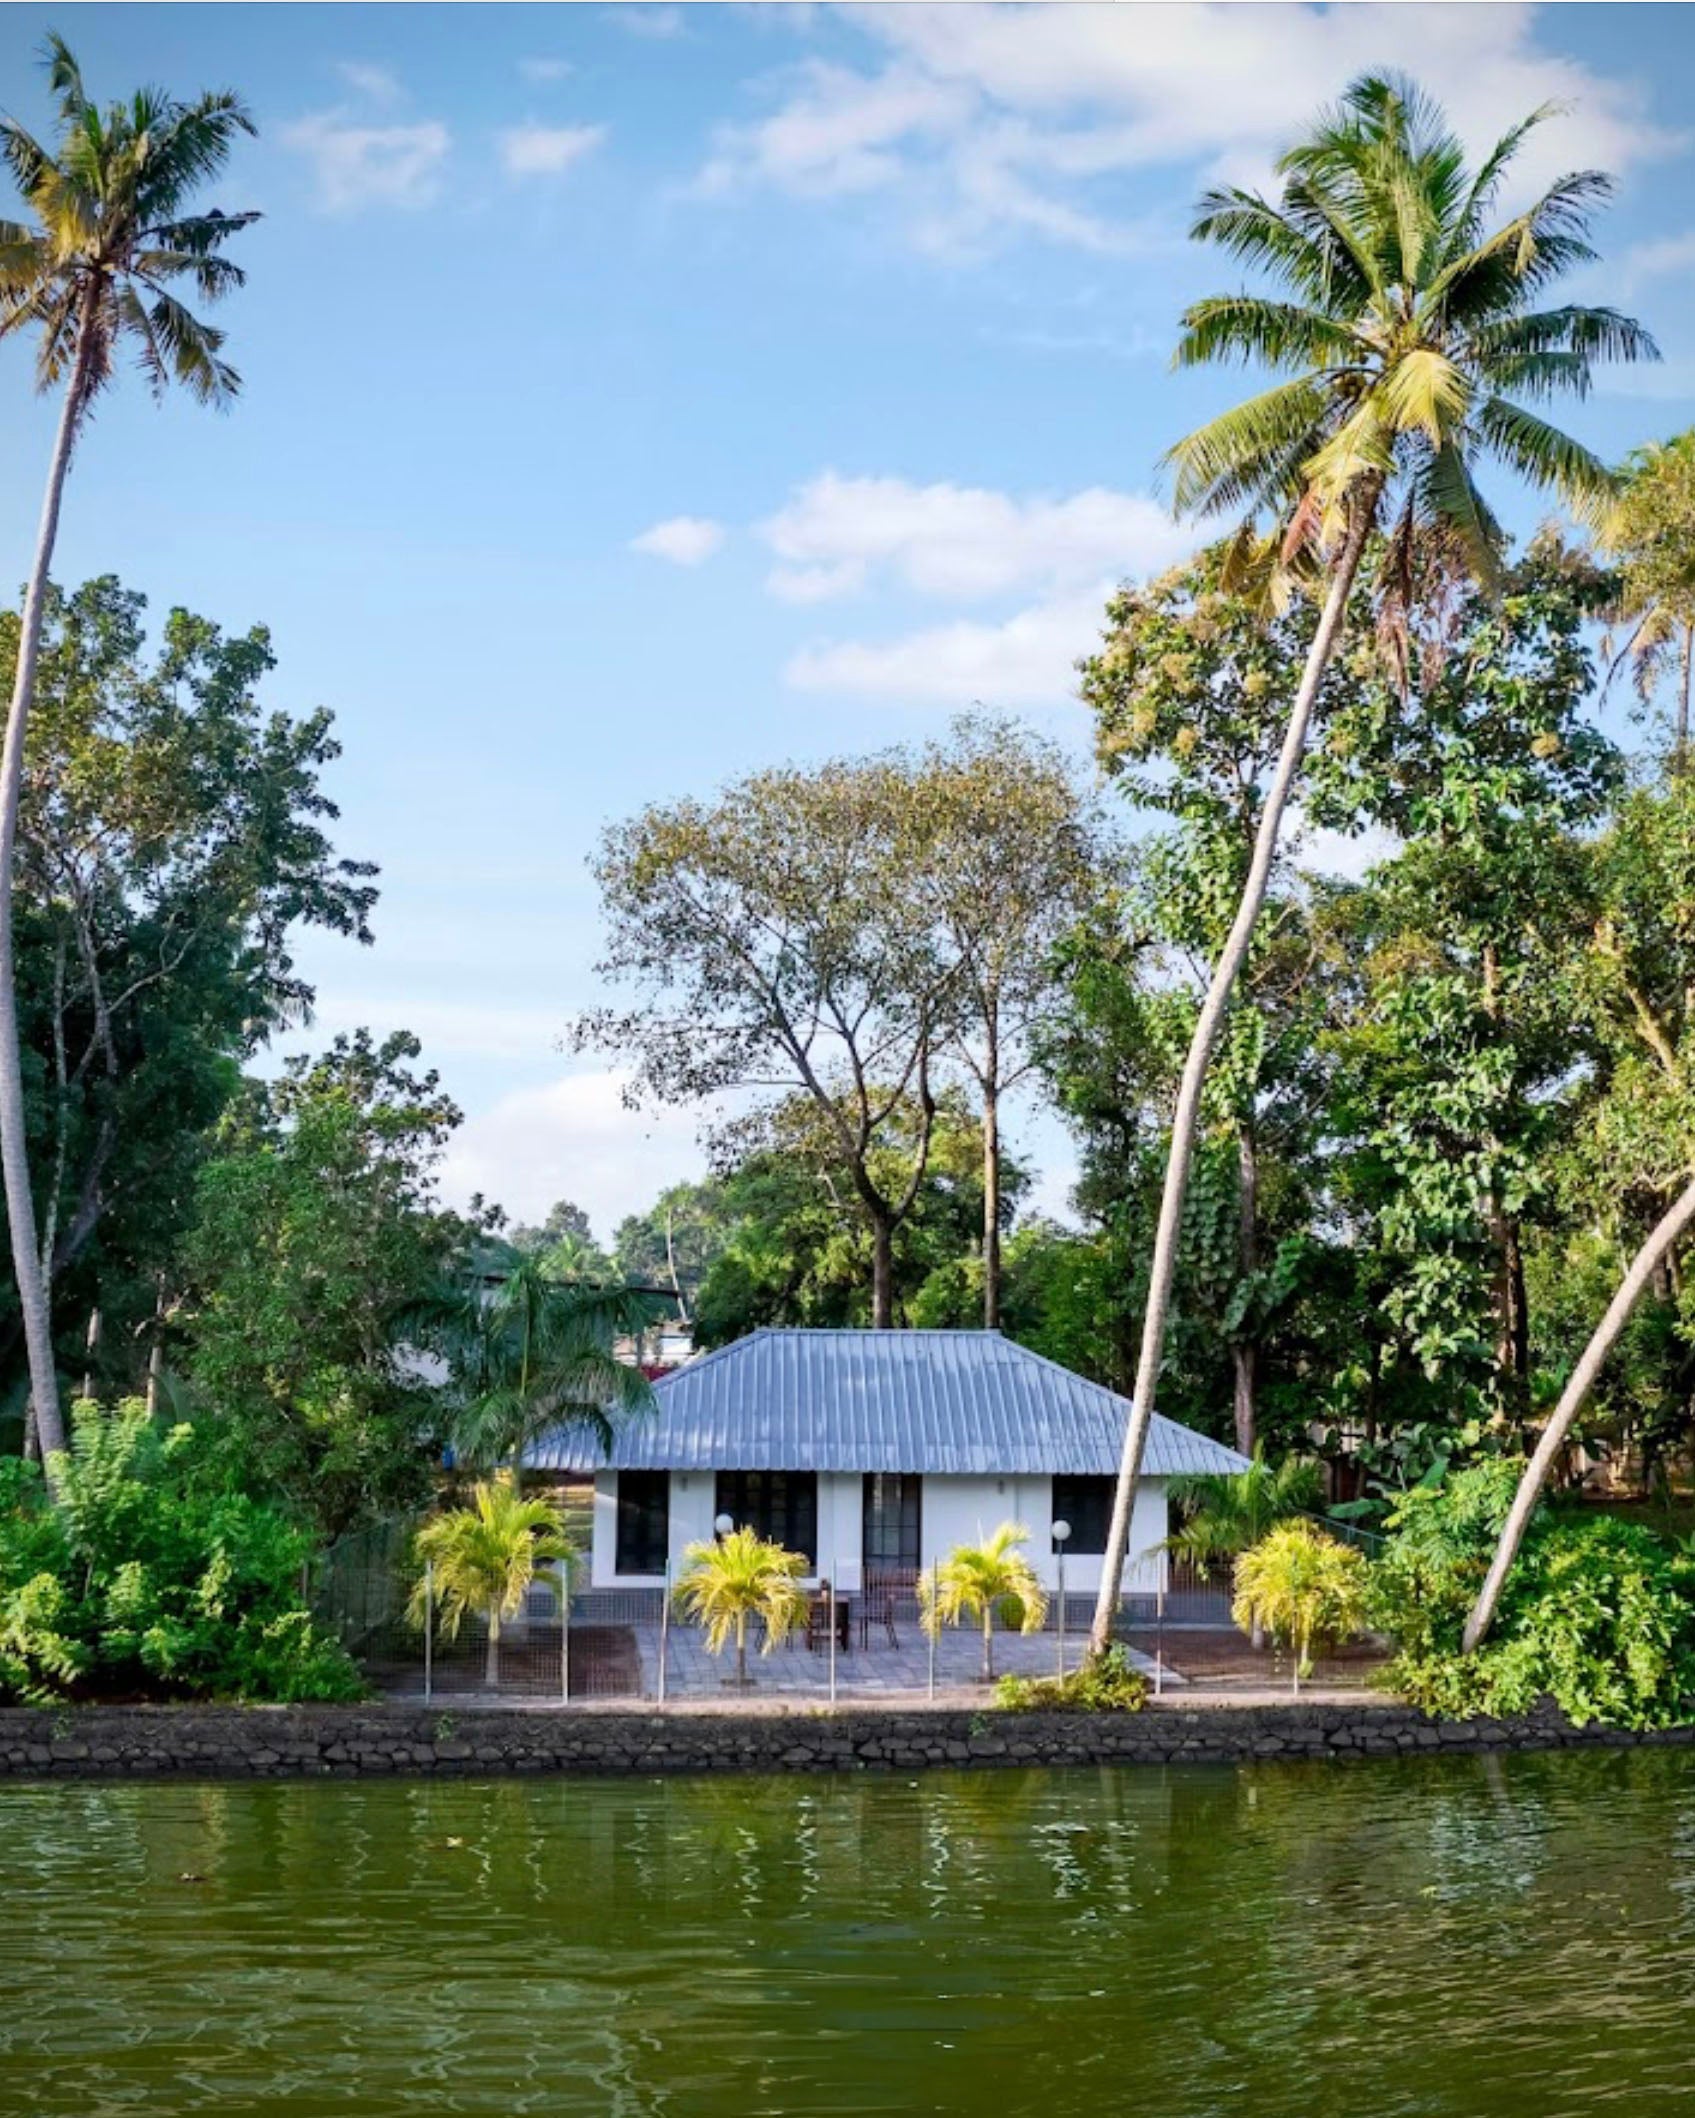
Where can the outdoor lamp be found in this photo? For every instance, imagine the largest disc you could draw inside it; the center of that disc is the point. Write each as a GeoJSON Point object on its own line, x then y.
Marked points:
{"type": "Point", "coordinates": [724, 1526]}
{"type": "Point", "coordinates": [1061, 1531]}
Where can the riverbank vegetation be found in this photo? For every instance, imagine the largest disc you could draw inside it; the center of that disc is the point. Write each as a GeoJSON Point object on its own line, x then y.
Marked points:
{"type": "Point", "coordinates": [1384, 1118]}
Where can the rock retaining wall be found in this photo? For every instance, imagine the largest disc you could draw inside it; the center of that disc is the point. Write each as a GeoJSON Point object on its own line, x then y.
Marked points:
{"type": "Point", "coordinates": [232, 1742]}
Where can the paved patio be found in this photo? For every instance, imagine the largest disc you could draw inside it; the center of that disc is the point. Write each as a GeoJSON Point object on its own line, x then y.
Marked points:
{"type": "Point", "coordinates": [874, 1671]}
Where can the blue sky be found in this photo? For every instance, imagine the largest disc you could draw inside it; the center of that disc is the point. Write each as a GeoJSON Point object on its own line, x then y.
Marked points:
{"type": "Point", "coordinates": [635, 396]}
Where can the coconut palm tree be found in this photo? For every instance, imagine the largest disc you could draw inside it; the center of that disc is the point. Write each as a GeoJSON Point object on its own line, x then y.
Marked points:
{"type": "Point", "coordinates": [91, 274]}
{"type": "Point", "coordinates": [980, 1582]}
{"type": "Point", "coordinates": [738, 1577]}
{"type": "Point", "coordinates": [1405, 325]}
{"type": "Point", "coordinates": [1651, 533]}
{"type": "Point", "coordinates": [482, 1560]}
{"type": "Point", "coordinates": [528, 1351]}
{"type": "Point", "coordinates": [1301, 1586]}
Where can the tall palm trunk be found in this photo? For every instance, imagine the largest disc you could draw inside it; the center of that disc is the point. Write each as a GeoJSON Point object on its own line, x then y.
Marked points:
{"type": "Point", "coordinates": [991, 1200]}
{"type": "Point", "coordinates": [1186, 1118]}
{"type": "Point", "coordinates": [1572, 1399]}
{"type": "Point", "coordinates": [27, 1263]}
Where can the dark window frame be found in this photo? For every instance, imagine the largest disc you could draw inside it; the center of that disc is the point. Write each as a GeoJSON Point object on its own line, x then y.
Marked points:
{"type": "Point", "coordinates": [643, 1519]}
{"type": "Point", "coordinates": [1084, 1500]}
{"type": "Point", "coordinates": [909, 1525]}
{"type": "Point", "coordinates": [782, 1506]}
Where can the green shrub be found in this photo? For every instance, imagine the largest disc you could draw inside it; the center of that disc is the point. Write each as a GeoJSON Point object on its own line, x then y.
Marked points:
{"type": "Point", "coordinates": [1109, 1683]}
{"type": "Point", "coordinates": [150, 1576]}
{"type": "Point", "coordinates": [1597, 1615]}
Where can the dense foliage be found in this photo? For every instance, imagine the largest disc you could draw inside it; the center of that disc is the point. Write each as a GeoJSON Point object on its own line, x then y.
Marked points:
{"type": "Point", "coordinates": [150, 1575]}
{"type": "Point", "coordinates": [1598, 1616]}
{"type": "Point", "coordinates": [1109, 1683]}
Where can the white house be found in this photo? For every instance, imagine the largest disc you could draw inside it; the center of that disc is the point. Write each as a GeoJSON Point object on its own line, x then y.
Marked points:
{"type": "Point", "coordinates": [876, 1452]}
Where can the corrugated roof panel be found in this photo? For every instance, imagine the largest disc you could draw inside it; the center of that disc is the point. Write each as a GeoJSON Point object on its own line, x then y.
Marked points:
{"type": "Point", "coordinates": [924, 1401]}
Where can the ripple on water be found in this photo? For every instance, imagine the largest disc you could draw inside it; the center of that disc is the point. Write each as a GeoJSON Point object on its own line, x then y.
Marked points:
{"type": "Point", "coordinates": [1484, 1938]}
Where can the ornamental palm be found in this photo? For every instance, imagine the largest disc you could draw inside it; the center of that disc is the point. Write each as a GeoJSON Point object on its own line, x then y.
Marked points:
{"type": "Point", "coordinates": [981, 1582]}
{"type": "Point", "coordinates": [1406, 327]}
{"type": "Point", "coordinates": [1225, 1513]}
{"type": "Point", "coordinates": [733, 1579]}
{"type": "Point", "coordinates": [1301, 1586]}
{"type": "Point", "coordinates": [91, 274]}
{"type": "Point", "coordinates": [482, 1559]}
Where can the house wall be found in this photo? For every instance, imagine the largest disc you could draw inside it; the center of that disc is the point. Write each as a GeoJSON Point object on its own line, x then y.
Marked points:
{"type": "Point", "coordinates": [956, 1510]}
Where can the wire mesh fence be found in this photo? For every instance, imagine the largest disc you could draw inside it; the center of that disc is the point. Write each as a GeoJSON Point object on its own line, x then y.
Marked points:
{"type": "Point", "coordinates": [862, 1634]}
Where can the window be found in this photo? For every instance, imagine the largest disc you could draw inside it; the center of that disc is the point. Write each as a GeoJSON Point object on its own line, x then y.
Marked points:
{"type": "Point", "coordinates": [781, 1505]}
{"type": "Point", "coordinates": [893, 1520]}
{"type": "Point", "coordinates": [644, 1522]}
{"type": "Point", "coordinates": [1085, 1503]}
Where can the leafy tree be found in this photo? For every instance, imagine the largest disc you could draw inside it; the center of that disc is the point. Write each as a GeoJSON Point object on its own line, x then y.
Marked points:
{"type": "Point", "coordinates": [482, 1560]}
{"type": "Point", "coordinates": [1299, 1584]}
{"type": "Point", "coordinates": [795, 1248]}
{"type": "Point", "coordinates": [148, 1573]}
{"type": "Point", "coordinates": [737, 1578]}
{"type": "Point", "coordinates": [676, 1242]}
{"type": "Point", "coordinates": [172, 837]}
{"type": "Point", "coordinates": [1008, 860]}
{"type": "Point", "coordinates": [1407, 335]}
{"type": "Point", "coordinates": [776, 945]}
{"type": "Point", "coordinates": [317, 1231]}
{"type": "Point", "coordinates": [978, 1583]}
{"type": "Point", "coordinates": [1651, 532]}
{"type": "Point", "coordinates": [91, 275]}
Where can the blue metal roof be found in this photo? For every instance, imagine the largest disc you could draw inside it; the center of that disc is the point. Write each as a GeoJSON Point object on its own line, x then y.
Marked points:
{"type": "Point", "coordinates": [924, 1401]}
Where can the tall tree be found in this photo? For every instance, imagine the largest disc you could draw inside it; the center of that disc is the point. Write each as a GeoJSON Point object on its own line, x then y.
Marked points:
{"type": "Point", "coordinates": [91, 274]}
{"type": "Point", "coordinates": [1406, 328]}
{"type": "Point", "coordinates": [173, 835]}
{"type": "Point", "coordinates": [1010, 858]}
{"type": "Point", "coordinates": [776, 945]}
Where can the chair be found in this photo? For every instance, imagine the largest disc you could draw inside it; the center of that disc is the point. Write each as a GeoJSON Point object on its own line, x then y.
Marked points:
{"type": "Point", "coordinates": [877, 1606]}
{"type": "Point", "coordinates": [818, 1619]}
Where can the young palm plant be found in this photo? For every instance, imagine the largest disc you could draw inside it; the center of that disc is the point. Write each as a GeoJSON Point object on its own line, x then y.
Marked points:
{"type": "Point", "coordinates": [90, 275]}
{"type": "Point", "coordinates": [976, 1583]}
{"type": "Point", "coordinates": [482, 1560]}
{"type": "Point", "coordinates": [1301, 1586]}
{"type": "Point", "coordinates": [528, 1352]}
{"type": "Point", "coordinates": [1223, 1513]}
{"type": "Point", "coordinates": [1407, 327]}
{"type": "Point", "coordinates": [732, 1580]}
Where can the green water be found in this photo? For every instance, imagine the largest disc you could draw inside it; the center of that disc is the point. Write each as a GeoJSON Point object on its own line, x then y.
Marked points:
{"type": "Point", "coordinates": [1475, 1937]}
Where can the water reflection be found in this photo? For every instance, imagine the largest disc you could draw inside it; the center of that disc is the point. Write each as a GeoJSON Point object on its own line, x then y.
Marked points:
{"type": "Point", "coordinates": [1475, 1937]}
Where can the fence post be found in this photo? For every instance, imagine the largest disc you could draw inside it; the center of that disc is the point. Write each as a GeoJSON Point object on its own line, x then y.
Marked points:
{"type": "Point", "coordinates": [664, 1629]}
{"type": "Point", "coordinates": [1062, 1610]}
{"type": "Point", "coordinates": [830, 1592]}
{"type": "Point", "coordinates": [565, 1632]}
{"type": "Point", "coordinates": [931, 1629]}
{"type": "Point", "coordinates": [429, 1630]}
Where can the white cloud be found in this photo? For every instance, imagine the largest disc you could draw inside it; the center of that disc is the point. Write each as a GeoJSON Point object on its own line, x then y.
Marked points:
{"type": "Point", "coordinates": [962, 543]}
{"type": "Point", "coordinates": [995, 116]}
{"type": "Point", "coordinates": [573, 1138]}
{"type": "Point", "coordinates": [686, 540]}
{"type": "Point", "coordinates": [544, 70]}
{"type": "Point", "coordinates": [645, 18]}
{"type": "Point", "coordinates": [358, 165]}
{"type": "Point", "coordinates": [547, 150]}
{"type": "Point", "coordinates": [374, 81]}
{"type": "Point", "coordinates": [1025, 660]}
{"type": "Point", "coordinates": [1658, 260]}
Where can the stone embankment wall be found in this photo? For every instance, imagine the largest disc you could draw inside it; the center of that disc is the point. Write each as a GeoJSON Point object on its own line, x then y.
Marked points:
{"type": "Point", "coordinates": [232, 1742]}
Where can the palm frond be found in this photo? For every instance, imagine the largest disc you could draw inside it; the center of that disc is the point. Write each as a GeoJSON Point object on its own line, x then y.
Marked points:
{"type": "Point", "coordinates": [1220, 464]}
